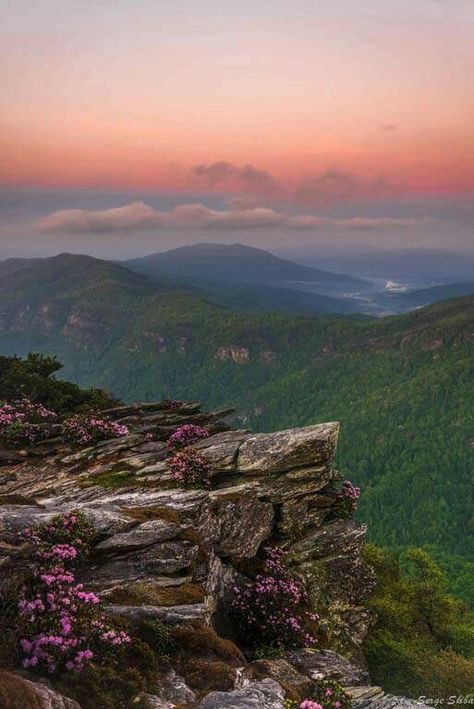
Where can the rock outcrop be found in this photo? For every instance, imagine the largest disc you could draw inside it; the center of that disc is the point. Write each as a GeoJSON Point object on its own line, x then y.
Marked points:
{"type": "Point", "coordinates": [235, 353]}
{"type": "Point", "coordinates": [17, 692]}
{"type": "Point", "coordinates": [173, 554]}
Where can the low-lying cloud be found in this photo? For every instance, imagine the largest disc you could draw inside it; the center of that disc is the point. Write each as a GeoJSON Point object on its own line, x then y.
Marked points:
{"type": "Point", "coordinates": [139, 216]}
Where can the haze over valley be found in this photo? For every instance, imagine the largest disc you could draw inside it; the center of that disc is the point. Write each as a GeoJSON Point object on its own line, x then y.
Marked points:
{"type": "Point", "coordinates": [236, 354]}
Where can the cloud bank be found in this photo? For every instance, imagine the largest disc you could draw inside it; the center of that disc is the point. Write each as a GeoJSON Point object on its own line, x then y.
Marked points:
{"type": "Point", "coordinates": [139, 216]}
{"type": "Point", "coordinates": [329, 186]}
{"type": "Point", "coordinates": [250, 176]}
{"type": "Point", "coordinates": [335, 186]}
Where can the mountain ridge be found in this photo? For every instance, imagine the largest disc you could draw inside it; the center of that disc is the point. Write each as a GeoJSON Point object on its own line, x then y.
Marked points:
{"type": "Point", "coordinates": [245, 296]}
{"type": "Point", "coordinates": [400, 386]}
{"type": "Point", "coordinates": [205, 257]}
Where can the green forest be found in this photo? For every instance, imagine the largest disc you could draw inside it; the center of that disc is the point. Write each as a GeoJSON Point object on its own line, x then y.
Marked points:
{"type": "Point", "coordinates": [421, 642]}
{"type": "Point", "coordinates": [401, 387]}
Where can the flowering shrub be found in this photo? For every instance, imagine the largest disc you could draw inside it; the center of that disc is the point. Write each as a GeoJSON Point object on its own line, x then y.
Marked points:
{"type": "Point", "coordinates": [272, 609]}
{"type": "Point", "coordinates": [86, 429]}
{"type": "Point", "coordinates": [329, 694]}
{"type": "Point", "coordinates": [347, 499]}
{"type": "Point", "coordinates": [66, 539]}
{"type": "Point", "coordinates": [190, 469]}
{"type": "Point", "coordinates": [23, 421]}
{"type": "Point", "coordinates": [62, 626]}
{"type": "Point", "coordinates": [185, 436]}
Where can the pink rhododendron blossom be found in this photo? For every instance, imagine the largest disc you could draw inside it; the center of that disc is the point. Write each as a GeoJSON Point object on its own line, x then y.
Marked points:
{"type": "Point", "coordinates": [185, 436]}
{"type": "Point", "coordinates": [62, 624]}
{"type": "Point", "coordinates": [87, 429]}
{"type": "Point", "coordinates": [272, 608]}
{"type": "Point", "coordinates": [65, 539]}
{"type": "Point", "coordinates": [347, 498]}
{"type": "Point", "coordinates": [23, 421]}
{"type": "Point", "coordinates": [61, 628]}
{"type": "Point", "coordinates": [190, 469]}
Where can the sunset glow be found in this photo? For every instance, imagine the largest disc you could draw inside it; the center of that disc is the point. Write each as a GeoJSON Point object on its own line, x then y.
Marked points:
{"type": "Point", "coordinates": [136, 94]}
{"type": "Point", "coordinates": [302, 106]}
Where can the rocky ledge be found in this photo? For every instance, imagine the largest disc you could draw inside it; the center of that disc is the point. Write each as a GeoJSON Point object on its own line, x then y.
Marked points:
{"type": "Point", "coordinates": [173, 554]}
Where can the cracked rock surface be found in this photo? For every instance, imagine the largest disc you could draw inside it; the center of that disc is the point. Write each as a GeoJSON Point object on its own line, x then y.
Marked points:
{"type": "Point", "coordinates": [276, 487]}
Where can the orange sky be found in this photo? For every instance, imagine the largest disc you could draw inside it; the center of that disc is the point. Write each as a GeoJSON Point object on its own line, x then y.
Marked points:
{"type": "Point", "coordinates": [137, 94]}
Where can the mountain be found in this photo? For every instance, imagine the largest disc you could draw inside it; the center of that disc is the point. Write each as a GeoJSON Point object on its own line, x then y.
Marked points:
{"type": "Point", "coordinates": [401, 386]}
{"type": "Point", "coordinates": [67, 274]}
{"type": "Point", "coordinates": [244, 277]}
{"type": "Point", "coordinates": [252, 297]}
{"type": "Point", "coordinates": [72, 298]}
{"type": "Point", "coordinates": [16, 264]}
{"type": "Point", "coordinates": [238, 264]}
{"type": "Point", "coordinates": [398, 264]}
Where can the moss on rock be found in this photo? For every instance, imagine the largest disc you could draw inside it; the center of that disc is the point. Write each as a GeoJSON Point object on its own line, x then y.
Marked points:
{"type": "Point", "coordinates": [149, 593]}
{"type": "Point", "coordinates": [15, 693]}
{"type": "Point", "coordinates": [204, 677]}
{"type": "Point", "coordinates": [145, 514]}
{"type": "Point", "coordinates": [202, 641]}
{"type": "Point", "coordinates": [17, 499]}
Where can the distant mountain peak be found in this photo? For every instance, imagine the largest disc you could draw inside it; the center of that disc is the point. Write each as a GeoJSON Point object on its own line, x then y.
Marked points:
{"type": "Point", "coordinates": [236, 263]}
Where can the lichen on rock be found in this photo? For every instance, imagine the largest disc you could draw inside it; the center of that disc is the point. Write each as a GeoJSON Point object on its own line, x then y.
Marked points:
{"type": "Point", "coordinates": [169, 555]}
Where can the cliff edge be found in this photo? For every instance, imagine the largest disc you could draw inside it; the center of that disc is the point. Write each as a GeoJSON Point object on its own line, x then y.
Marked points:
{"type": "Point", "coordinates": [174, 555]}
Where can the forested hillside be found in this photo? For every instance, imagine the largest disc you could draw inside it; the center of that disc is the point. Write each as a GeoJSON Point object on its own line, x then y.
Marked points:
{"type": "Point", "coordinates": [402, 387]}
{"type": "Point", "coordinates": [407, 437]}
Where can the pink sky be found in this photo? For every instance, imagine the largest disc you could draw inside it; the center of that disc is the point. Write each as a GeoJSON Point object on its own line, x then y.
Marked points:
{"type": "Point", "coordinates": [137, 94]}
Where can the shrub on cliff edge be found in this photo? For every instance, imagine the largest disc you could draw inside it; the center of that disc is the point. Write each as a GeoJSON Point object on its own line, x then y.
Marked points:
{"type": "Point", "coordinates": [272, 609]}
{"type": "Point", "coordinates": [34, 378]}
{"type": "Point", "coordinates": [88, 429]}
{"type": "Point", "coordinates": [422, 642]}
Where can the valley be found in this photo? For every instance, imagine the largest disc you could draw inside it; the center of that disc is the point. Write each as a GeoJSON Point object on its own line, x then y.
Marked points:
{"type": "Point", "coordinates": [401, 386]}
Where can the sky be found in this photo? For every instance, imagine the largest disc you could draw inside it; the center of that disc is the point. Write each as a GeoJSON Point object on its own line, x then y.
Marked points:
{"type": "Point", "coordinates": [130, 126]}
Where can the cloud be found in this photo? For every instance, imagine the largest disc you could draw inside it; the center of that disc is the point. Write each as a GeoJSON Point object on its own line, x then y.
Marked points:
{"type": "Point", "coordinates": [223, 171]}
{"type": "Point", "coordinates": [333, 185]}
{"type": "Point", "coordinates": [309, 221]}
{"type": "Point", "coordinates": [138, 216]}
{"type": "Point", "coordinates": [370, 223]}
{"type": "Point", "coordinates": [243, 202]}
{"type": "Point", "coordinates": [329, 186]}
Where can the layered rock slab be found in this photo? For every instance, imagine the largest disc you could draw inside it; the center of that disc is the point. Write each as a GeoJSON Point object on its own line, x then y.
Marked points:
{"type": "Point", "coordinates": [277, 488]}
